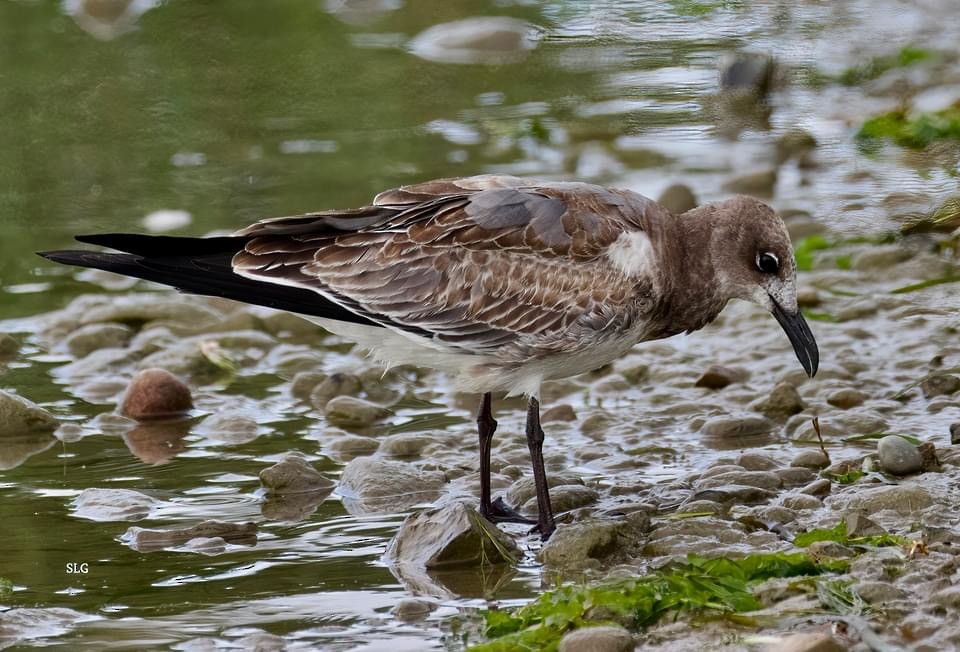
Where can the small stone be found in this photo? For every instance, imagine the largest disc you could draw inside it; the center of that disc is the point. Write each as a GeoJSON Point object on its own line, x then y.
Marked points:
{"type": "Point", "coordinates": [113, 504]}
{"type": "Point", "coordinates": [333, 386]}
{"type": "Point", "coordinates": [717, 469]}
{"type": "Point", "coordinates": [524, 489]}
{"type": "Point", "coordinates": [846, 398]}
{"type": "Point", "coordinates": [372, 484]}
{"type": "Point", "coordinates": [604, 638]}
{"type": "Point", "coordinates": [794, 143]}
{"type": "Point", "coordinates": [760, 479]}
{"type": "Point", "coordinates": [304, 382]}
{"type": "Point", "coordinates": [351, 412]}
{"type": "Point", "coordinates": [678, 198]}
{"type": "Point", "coordinates": [808, 297]}
{"type": "Point", "coordinates": [940, 385]}
{"type": "Point", "coordinates": [806, 642]}
{"type": "Point", "coordinates": [811, 459]}
{"type": "Point", "coordinates": [584, 543]}
{"type": "Point", "coordinates": [352, 445]}
{"type": "Point", "coordinates": [19, 417]}
{"type": "Point", "coordinates": [905, 499]}
{"type": "Point", "coordinates": [8, 345]}
{"type": "Point", "coordinates": [898, 456]}
{"type": "Point", "coordinates": [559, 413]}
{"type": "Point", "coordinates": [795, 476]}
{"type": "Point", "coordinates": [784, 401]}
{"type": "Point", "coordinates": [728, 426]}
{"type": "Point", "coordinates": [879, 592]}
{"type": "Point", "coordinates": [819, 487]}
{"type": "Point", "coordinates": [750, 72]}
{"type": "Point", "coordinates": [156, 394]}
{"type": "Point", "coordinates": [757, 462]}
{"type": "Point", "coordinates": [450, 536]}
{"type": "Point", "coordinates": [89, 338]}
{"type": "Point", "coordinates": [718, 377]}
{"type": "Point", "coordinates": [413, 610]}
{"type": "Point", "coordinates": [294, 474]}
{"type": "Point", "coordinates": [955, 433]}
{"type": "Point", "coordinates": [229, 427]}
{"type": "Point", "coordinates": [822, 550]}
{"type": "Point", "coordinates": [734, 493]}
{"type": "Point", "coordinates": [757, 184]}
{"type": "Point", "coordinates": [858, 525]}
{"type": "Point", "coordinates": [799, 502]}
{"type": "Point", "coordinates": [566, 497]}
{"type": "Point", "coordinates": [146, 540]}
{"type": "Point", "coordinates": [879, 257]}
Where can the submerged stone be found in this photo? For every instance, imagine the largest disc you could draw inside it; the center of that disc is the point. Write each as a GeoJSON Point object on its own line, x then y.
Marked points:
{"type": "Point", "coordinates": [294, 474]}
{"type": "Point", "coordinates": [351, 412]}
{"type": "Point", "coordinates": [451, 535]}
{"type": "Point", "coordinates": [20, 417]}
{"type": "Point", "coordinates": [147, 540]}
{"type": "Point", "coordinates": [113, 505]}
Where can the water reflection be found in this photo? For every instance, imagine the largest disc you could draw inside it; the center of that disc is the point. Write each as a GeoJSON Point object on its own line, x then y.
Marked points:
{"type": "Point", "coordinates": [15, 449]}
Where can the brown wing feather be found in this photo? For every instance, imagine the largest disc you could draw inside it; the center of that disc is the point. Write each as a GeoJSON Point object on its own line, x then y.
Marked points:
{"type": "Point", "coordinates": [480, 263]}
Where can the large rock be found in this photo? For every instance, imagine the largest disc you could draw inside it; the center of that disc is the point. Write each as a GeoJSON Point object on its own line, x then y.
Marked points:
{"type": "Point", "coordinates": [449, 536]}
{"type": "Point", "coordinates": [19, 417]}
{"type": "Point", "coordinates": [589, 543]}
{"type": "Point", "coordinates": [156, 394]}
{"type": "Point", "coordinates": [372, 484]}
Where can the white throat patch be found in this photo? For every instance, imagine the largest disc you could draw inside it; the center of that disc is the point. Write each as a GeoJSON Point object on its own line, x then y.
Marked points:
{"type": "Point", "coordinates": [632, 253]}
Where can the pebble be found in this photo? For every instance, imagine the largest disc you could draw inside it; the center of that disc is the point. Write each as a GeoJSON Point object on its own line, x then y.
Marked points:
{"type": "Point", "coordinates": [450, 536]}
{"type": "Point", "coordinates": [752, 72]}
{"type": "Point", "coordinates": [564, 498]}
{"type": "Point", "coordinates": [8, 345]}
{"type": "Point", "coordinates": [905, 499]}
{"type": "Point", "coordinates": [294, 474]}
{"type": "Point", "coordinates": [406, 444]}
{"type": "Point", "coordinates": [723, 427]}
{"type": "Point", "coordinates": [350, 446]}
{"type": "Point", "coordinates": [718, 377]}
{"type": "Point", "coordinates": [758, 184]}
{"type": "Point", "coordinates": [603, 638]}
{"type": "Point", "coordinates": [795, 476]}
{"type": "Point", "coordinates": [819, 487]}
{"type": "Point", "coordinates": [562, 412]}
{"type": "Point", "coordinates": [806, 642]}
{"type": "Point", "coordinates": [19, 417]}
{"type": "Point", "coordinates": [156, 394]}
{"type": "Point", "coordinates": [92, 337]}
{"type": "Point", "coordinates": [229, 428]}
{"type": "Point", "coordinates": [822, 550]}
{"type": "Point", "coordinates": [524, 489]}
{"type": "Point", "coordinates": [846, 398]}
{"type": "Point", "coordinates": [304, 382]}
{"type": "Point", "coordinates": [413, 610]}
{"type": "Point", "coordinates": [352, 412]}
{"type": "Point", "coordinates": [757, 462]}
{"type": "Point", "coordinates": [940, 385]}
{"type": "Point", "coordinates": [808, 297]}
{"type": "Point", "coordinates": [879, 257]}
{"type": "Point", "coordinates": [760, 479]}
{"type": "Point", "coordinates": [811, 459]}
{"type": "Point", "coordinates": [113, 504]}
{"type": "Point", "coordinates": [147, 540]}
{"type": "Point", "coordinates": [678, 198]}
{"type": "Point", "coordinates": [879, 592]}
{"type": "Point", "coordinates": [898, 456]}
{"type": "Point", "coordinates": [784, 401]}
{"type": "Point", "coordinates": [799, 502]}
{"type": "Point", "coordinates": [955, 433]}
{"type": "Point", "coordinates": [794, 143]}
{"type": "Point", "coordinates": [587, 543]}
{"type": "Point", "coordinates": [735, 493]}
{"type": "Point", "coordinates": [717, 469]}
{"type": "Point", "coordinates": [333, 386]}
{"type": "Point", "coordinates": [858, 525]}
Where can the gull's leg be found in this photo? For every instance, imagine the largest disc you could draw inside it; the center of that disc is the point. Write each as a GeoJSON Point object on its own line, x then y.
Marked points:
{"type": "Point", "coordinates": [496, 511]}
{"type": "Point", "coordinates": [545, 522]}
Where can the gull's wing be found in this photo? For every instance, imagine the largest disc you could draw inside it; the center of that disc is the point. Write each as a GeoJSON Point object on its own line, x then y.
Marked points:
{"type": "Point", "coordinates": [478, 263]}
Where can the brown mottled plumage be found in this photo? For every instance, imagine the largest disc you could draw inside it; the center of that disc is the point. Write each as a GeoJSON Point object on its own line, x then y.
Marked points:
{"type": "Point", "coordinates": [503, 281]}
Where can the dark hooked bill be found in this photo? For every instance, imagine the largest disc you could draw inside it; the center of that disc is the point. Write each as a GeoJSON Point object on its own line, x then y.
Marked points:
{"type": "Point", "coordinates": [800, 336]}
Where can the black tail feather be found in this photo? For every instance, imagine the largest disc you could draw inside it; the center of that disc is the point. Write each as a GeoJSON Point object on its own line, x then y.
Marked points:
{"type": "Point", "coordinates": [163, 245]}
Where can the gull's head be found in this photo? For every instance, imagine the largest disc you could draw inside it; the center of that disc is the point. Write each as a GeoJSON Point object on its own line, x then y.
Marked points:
{"type": "Point", "coordinates": [751, 253]}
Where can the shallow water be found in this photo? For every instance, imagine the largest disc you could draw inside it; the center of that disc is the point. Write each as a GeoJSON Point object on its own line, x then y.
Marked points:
{"type": "Point", "coordinates": [242, 111]}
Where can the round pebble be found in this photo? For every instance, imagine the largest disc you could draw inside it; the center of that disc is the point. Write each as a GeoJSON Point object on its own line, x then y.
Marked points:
{"type": "Point", "coordinates": [156, 394]}
{"type": "Point", "coordinates": [898, 456]}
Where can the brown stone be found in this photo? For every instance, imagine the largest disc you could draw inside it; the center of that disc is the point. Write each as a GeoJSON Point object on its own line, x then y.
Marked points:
{"type": "Point", "coordinates": [156, 394]}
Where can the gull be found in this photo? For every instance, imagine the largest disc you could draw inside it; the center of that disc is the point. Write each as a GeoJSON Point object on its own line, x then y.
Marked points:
{"type": "Point", "coordinates": [501, 281]}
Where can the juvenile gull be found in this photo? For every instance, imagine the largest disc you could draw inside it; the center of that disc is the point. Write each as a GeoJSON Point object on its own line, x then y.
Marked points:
{"type": "Point", "coordinates": [503, 282]}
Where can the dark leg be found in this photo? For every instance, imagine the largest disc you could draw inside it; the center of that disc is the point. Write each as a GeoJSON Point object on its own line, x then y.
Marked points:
{"type": "Point", "coordinates": [545, 522]}
{"type": "Point", "coordinates": [496, 511]}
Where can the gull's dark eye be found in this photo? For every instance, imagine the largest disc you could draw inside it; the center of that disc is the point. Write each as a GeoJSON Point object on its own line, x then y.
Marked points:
{"type": "Point", "coordinates": [768, 263]}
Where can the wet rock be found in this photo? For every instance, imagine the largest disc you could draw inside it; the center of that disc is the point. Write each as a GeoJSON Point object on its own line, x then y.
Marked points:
{"type": "Point", "coordinates": [734, 493]}
{"type": "Point", "coordinates": [811, 459]}
{"type": "Point", "coordinates": [806, 642]}
{"type": "Point", "coordinates": [604, 638]}
{"type": "Point", "coordinates": [940, 385]}
{"type": "Point", "coordinates": [565, 497]}
{"type": "Point", "coordinates": [406, 444]}
{"type": "Point", "coordinates": [898, 456]}
{"type": "Point", "coordinates": [588, 543]}
{"type": "Point", "coordinates": [749, 72]}
{"type": "Point", "coordinates": [413, 610]}
{"type": "Point", "coordinates": [760, 479]}
{"type": "Point", "coordinates": [156, 394]}
{"type": "Point", "coordinates": [948, 598]}
{"type": "Point", "coordinates": [718, 469]}
{"type": "Point", "coordinates": [879, 593]}
{"type": "Point", "coordinates": [334, 385]}
{"type": "Point", "coordinates": [799, 502]}
{"type": "Point", "coordinates": [858, 525]}
{"type": "Point", "coordinates": [147, 540]}
{"type": "Point", "coordinates": [304, 382]}
{"type": "Point", "coordinates": [20, 417]}
{"type": "Point", "coordinates": [294, 474]}
{"type": "Point", "coordinates": [678, 198]}
{"type": "Point", "coordinates": [92, 337]}
{"type": "Point", "coordinates": [452, 535]}
{"type": "Point", "coordinates": [229, 428]}
{"type": "Point", "coordinates": [757, 462]}
{"type": "Point", "coordinates": [559, 413]}
{"type": "Point", "coordinates": [262, 642]}
{"type": "Point", "coordinates": [819, 487]}
{"type": "Point", "coordinates": [152, 306]}
{"type": "Point", "coordinates": [350, 446]}
{"type": "Point", "coordinates": [113, 505]}
{"type": "Point", "coordinates": [757, 184]}
{"type": "Point", "coordinates": [784, 401]}
{"type": "Point", "coordinates": [795, 476]}
{"type": "Point", "coordinates": [955, 433]}
{"type": "Point", "coordinates": [808, 297]}
{"type": "Point", "coordinates": [905, 499]}
{"type": "Point", "coordinates": [794, 143]}
{"type": "Point", "coordinates": [524, 489]}
{"type": "Point", "coordinates": [26, 623]}
{"type": "Point", "coordinates": [351, 412]}
{"type": "Point", "coordinates": [8, 346]}
{"type": "Point", "coordinates": [730, 426]}
{"type": "Point", "coordinates": [371, 484]}
{"type": "Point", "coordinates": [718, 377]}
{"type": "Point", "coordinates": [879, 257]}
{"type": "Point", "coordinates": [820, 551]}
{"type": "Point", "coordinates": [480, 39]}
{"type": "Point", "coordinates": [846, 398]}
